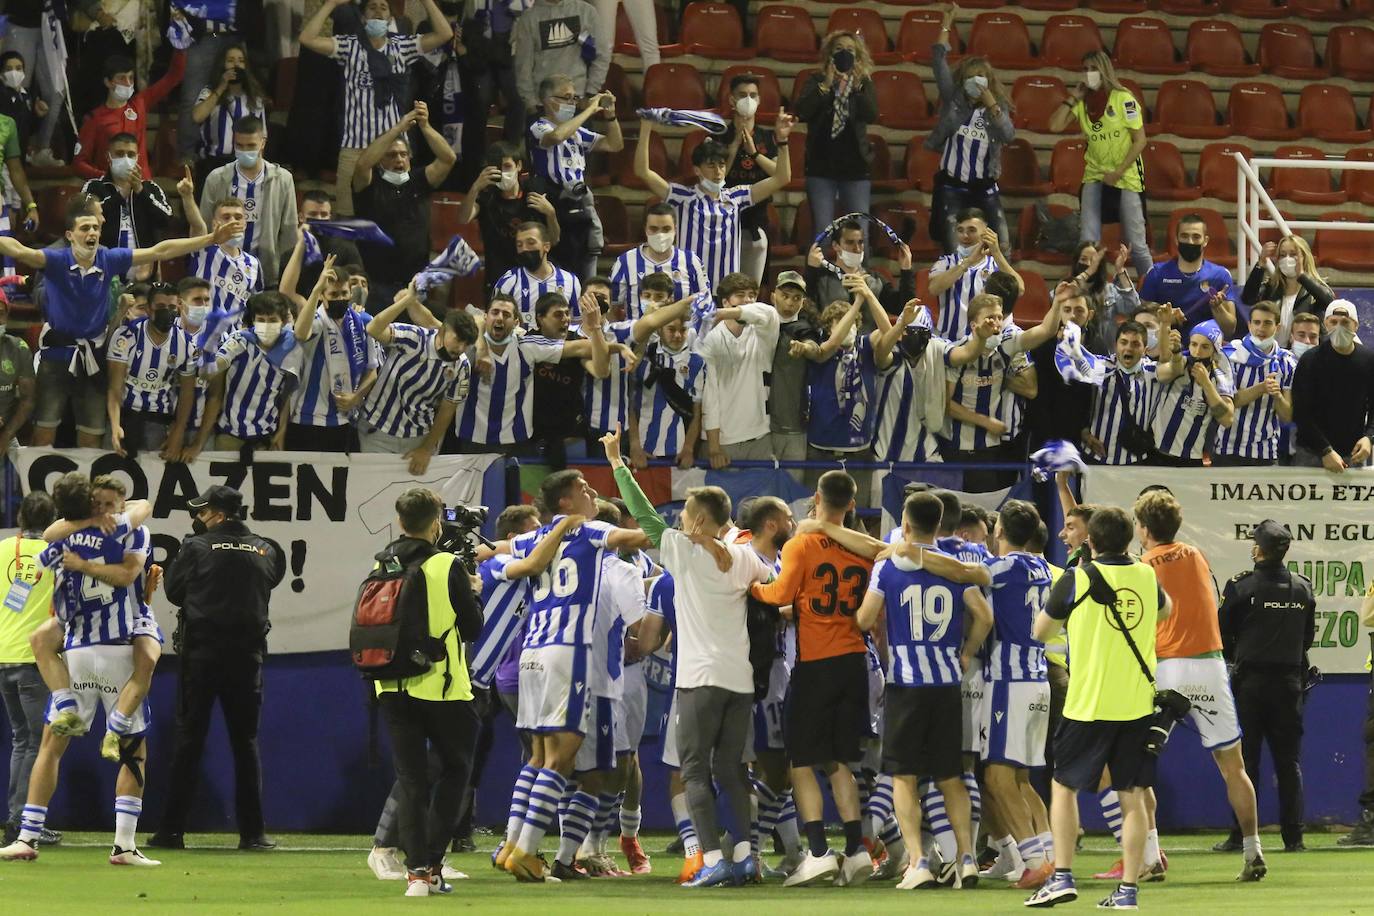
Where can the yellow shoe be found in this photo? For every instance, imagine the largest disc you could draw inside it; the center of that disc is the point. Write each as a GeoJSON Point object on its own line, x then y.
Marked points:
{"type": "Point", "coordinates": [68, 724]}
{"type": "Point", "coordinates": [525, 867]}
{"type": "Point", "coordinates": [109, 747]}
{"type": "Point", "coordinates": [502, 856]}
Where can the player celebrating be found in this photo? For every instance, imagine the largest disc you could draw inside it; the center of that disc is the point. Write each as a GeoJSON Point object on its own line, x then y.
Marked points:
{"type": "Point", "coordinates": [98, 606]}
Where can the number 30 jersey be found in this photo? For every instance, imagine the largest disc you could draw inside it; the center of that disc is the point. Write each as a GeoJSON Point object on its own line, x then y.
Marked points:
{"type": "Point", "coordinates": [925, 624]}
{"type": "Point", "coordinates": [562, 604]}
{"type": "Point", "coordinates": [825, 585]}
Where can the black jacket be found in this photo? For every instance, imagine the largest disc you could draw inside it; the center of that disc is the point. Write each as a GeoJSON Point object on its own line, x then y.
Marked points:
{"type": "Point", "coordinates": [1268, 616]}
{"type": "Point", "coordinates": [151, 212]}
{"type": "Point", "coordinates": [222, 580]}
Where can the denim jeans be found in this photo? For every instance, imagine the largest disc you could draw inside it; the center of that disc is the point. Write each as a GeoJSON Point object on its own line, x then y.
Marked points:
{"type": "Point", "coordinates": [200, 60]}
{"type": "Point", "coordinates": [29, 43]}
{"type": "Point", "coordinates": [25, 697]}
{"type": "Point", "coordinates": [853, 197]}
{"type": "Point", "coordinates": [1132, 223]}
{"type": "Point", "coordinates": [946, 202]}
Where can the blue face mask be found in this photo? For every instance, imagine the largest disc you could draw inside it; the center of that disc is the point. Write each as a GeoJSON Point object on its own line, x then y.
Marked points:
{"type": "Point", "coordinates": [247, 158]}
{"type": "Point", "coordinates": [375, 28]}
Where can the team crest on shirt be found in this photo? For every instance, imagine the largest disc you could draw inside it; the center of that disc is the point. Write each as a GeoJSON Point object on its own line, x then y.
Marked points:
{"type": "Point", "coordinates": [130, 114]}
{"type": "Point", "coordinates": [1204, 285]}
{"type": "Point", "coordinates": [6, 366]}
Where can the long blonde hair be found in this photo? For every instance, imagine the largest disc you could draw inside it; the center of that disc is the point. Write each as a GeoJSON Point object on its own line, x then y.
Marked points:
{"type": "Point", "coordinates": [1099, 61]}
{"type": "Point", "coordinates": [863, 61]}
{"type": "Point", "coordinates": [1307, 264]}
{"type": "Point", "coordinates": [975, 65]}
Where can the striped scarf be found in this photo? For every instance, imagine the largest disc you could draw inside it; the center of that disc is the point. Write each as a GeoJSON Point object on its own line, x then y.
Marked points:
{"type": "Point", "coordinates": [841, 118]}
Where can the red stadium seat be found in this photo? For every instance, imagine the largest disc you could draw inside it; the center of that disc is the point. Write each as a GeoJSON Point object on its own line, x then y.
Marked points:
{"type": "Point", "coordinates": [911, 222]}
{"type": "Point", "coordinates": [1004, 40]}
{"type": "Point", "coordinates": [1286, 49]}
{"type": "Point", "coordinates": [883, 178]}
{"type": "Point", "coordinates": [615, 223]}
{"type": "Point", "coordinates": [669, 85]}
{"type": "Point", "coordinates": [919, 31]}
{"type": "Point", "coordinates": [1218, 248]}
{"type": "Point", "coordinates": [1257, 110]}
{"type": "Point", "coordinates": [1189, 7]}
{"type": "Point", "coordinates": [1216, 169]}
{"type": "Point", "coordinates": [1303, 186]}
{"type": "Point", "coordinates": [1257, 9]}
{"type": "Point", "coordinates": [1120, 7]}
{"type": "Point", "coordinates": [52, 208]}
{"type": "Point", "coordinates": [1021, 170]}
{"type": "Point", "coordinates": [1033, 304]}
{"type": "Point", "coordinates": [1344, 249]}
{"type": "Point", "coordinates": [618, 82]}
{"type": "Point", "coordinates": [921, 165]}
{"type": "Point", "coordinates": [625, 33]}
{"type": "Point", "coordinates": [1066, 39]}
{"type": "Point", "coordinates": [868, 24]}
{"type": "Point", "coordinates": [798, 84]}
{"type": "Point", "coordinates": [1324, 10]}
{"type": "Point", "coordinates": [1327, 112]}
{"type": "Point", "coordinates": [622, 164]}
{"type": "Point", "coordinates": [714, 30]}
{"type": "Point", "coordinates": [770, 91]}
{"type": "Point", "coordinates": [443, 221]}
{"type": "Point", "coordinates": [785, 32]}
{"type": "Point", "coordinates": [1216, 47]}
{"type": "Point", "coordinates": [1034, 99]}
{"type": "Point", "coordinates": [1146, 45]}
{"type": "Point", "coordinates": [1359, 186]}
{"type": "Point", "coordinates": [1137, 91]}
{"type": "Point", "coordinates": [778, 245]}
{"type": "Point", "coordinates": [1186, 108]}
{"type": "Point", "coordinates": [901, 100]}
{"type": "Point", "coordinates": [1066, 166]}
{"type": "Point", "coordinates": [1166, 177]}
{"type": "Point", "coordinates": [1350, 52]}
{"type": "Point", "coordinates": [1050, 6]}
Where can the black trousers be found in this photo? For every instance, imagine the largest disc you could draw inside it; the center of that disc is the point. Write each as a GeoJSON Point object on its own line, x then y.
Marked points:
{"type": "Point", "coordinates": [235, 681]}
{"type": "Point", "coordinates": [1367, 796]}
{"type": "Point", "coordinates": [428, 810]}
{"type": "Point", "coordinates": [1269, 701]}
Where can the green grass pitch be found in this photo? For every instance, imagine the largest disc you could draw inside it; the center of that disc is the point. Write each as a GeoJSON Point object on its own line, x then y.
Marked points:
{"type": "Point", "coordinates": [320, 874]}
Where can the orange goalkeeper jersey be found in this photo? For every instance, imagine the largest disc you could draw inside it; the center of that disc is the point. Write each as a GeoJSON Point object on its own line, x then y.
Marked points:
{"type": "Point", "coordinates": [825, 584]}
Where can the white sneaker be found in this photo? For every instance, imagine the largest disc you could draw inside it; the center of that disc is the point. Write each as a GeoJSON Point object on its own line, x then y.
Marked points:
{"type": "Point", "coordinates": [449, 873]}
{"type": "Point", "coordinates": [384, 864]}
{"type": "Point", "coordinates": [1003, 867]}
{"type": "Point", "coordinates": [968, 873]}
{"type": "Point", "coordinates": [19, 851]}
{"type": "Point", "coordinates": [417, 885]}
{"type": "Point", "coordinates": [131, 857]}
{"type": "Point", "coordinates": [916, 876]}
{"type": "Point", "coordinates": [855, 870]}
{"type": "Point", "coordinates": [815, 868]}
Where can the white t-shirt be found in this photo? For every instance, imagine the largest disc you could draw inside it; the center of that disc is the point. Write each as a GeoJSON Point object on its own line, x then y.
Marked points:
{"type": "Point", "coordinates": [712, 639]}
{"type": "Point", "coordinates": [736, 399]}
{"type": "Point", "coordinates": [619, 606]}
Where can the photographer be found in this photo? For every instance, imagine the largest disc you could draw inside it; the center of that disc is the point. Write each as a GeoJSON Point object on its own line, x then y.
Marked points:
{"type": "Point", "coordinates": [1110, 699]}
{"type": "Point", "coordinates": [221, 579]}
{"type": "Point", "coordinates": [1268, 619]}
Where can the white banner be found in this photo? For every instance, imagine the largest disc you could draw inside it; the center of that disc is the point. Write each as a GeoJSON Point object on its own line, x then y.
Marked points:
{"type": "Point", "coordinates": [1327, 513]}
{"type": "Point", "coordinates": [330, 513]}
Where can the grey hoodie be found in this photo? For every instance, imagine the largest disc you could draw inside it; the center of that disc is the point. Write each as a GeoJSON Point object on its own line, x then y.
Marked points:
{"type": "Point", "coordinates": [275, 234]}
{"type": "Point", "coordinates": [547, 40]}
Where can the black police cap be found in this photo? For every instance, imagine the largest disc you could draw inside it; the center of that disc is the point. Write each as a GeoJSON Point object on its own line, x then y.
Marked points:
{"type": "Point", "coordinates": [1272, 537]}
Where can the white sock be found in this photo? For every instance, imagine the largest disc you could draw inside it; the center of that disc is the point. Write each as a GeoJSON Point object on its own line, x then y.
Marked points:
{"type": "Point", "coordinates": [1031, 852]}
{"type": "Point", "coordinates": [691, 843]}
{"type": "Point", "coordinates": [788, 830]}
{"type": "Point", "coordinates": [711, 857]}
{"type": "Point", "coordinates": [629, 821]}
{"type": "Point", "coordinates": [742, 851]}
{"type": "Point", "coordinates": [31, 822]}
{"type": "Point", "coordinates": [1047, 844]}
{"type": "Point", "coordinates": [1151, 847]}
{"type": "Point", "coordinates": [127, 810]}
{"type": "Point", "coordinates": [1252, 847]}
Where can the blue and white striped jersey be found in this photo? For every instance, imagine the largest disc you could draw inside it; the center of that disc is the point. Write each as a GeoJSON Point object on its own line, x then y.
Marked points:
{"type": "Point", "coordinates": [503, 618]}
{"type": "Point", "coordinates": [154, 370]}
{"type": "Point", "coordinates": [252, 387]}
{"type": "Point", "coordinates": [901, 435]}
{"type": "Point", "coordinates": [709, 227]}
{"type": "Point", "coordinates": [364, 121]}
{"type": "Point", "coordinates": [564, 598]}
{"type": "Point", "coordinates": [686, 269]}
{"type": "Point", "coordinates": [662, 603]}
{"type": "Point", "coordinates": [202, 383]}
{"type": "Point", "coordinates": [246, 189]}
{"type": "Point", "coordinates": [500, 410]}
{"type": "Point", "coordinates": [92, 612]}
{"type": "Point", "coordinates": [608, 398]}
{"type": "Point", "coordinates": [1020, 588]}
{"type": "Point", "coordinates": [662, 431]}
{"type": "Point", "coordinates": [1013, 408]}
{"type": "Point", "coordinates": [925, 624]}
{"type": "Point", "coordinates": [965, 156]}
{"type": "Point", "coordinates": [952, 323]}
{"type": "Point", "coordinates": [1111, 406]}
{"type": "Point", "coordinates": [563, 164]}
{"type": "Point", "coordinates": [1183, 423]}
{"type": "Point", "coordinates": [232, 278]}
{"type": "Point", "coordinates": [217, 133]}
{"type": "Point", "coordinates": [525, 289]}
{"type": "Point", "coordinates": [1255, 432]}
{"type": "Point", "coordinates": [619, 606]}
{"type": "Point", "coordinates": [978, 386]}
{"type": "Point", "coordinates": [412, 379]}
{"type": "Point", "coordinates": [325, 370]}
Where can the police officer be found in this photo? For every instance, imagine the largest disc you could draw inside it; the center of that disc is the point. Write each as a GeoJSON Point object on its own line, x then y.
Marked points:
{"type": "Point", "coordinates": [1268, 618]}
{"type": "Point", "coordinates": [221, 579]}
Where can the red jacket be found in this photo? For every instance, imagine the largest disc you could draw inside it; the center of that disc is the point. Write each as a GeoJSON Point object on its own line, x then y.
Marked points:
{"type": "Point", "coordinates": [104, 122]}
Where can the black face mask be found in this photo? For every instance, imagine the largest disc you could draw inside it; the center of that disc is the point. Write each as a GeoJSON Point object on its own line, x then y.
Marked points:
{"type": "Point", "coordinates": [843, 60]}
{"type": "Point", "coordinates": [162, 320]}
{"type": "Point", "coordinates": [446, 356]}
{"type": "Point", "coordinates": [337, 308]}
{"type": "Point", "coordinates": [529, 259]}
{"type": "Point", "coordinates": [198, 527]}
{"type": "Point", "coordinates": [1189, 251]}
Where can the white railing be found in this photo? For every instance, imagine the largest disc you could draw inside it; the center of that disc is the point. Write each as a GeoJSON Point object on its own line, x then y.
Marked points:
{"type": "Point", "coordinates": [1251, 195]}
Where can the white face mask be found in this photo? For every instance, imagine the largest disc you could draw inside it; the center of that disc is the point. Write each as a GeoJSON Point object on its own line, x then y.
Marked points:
{"type": "Point", "coordinates": [1131, 369]}
{"type": "Point", "coordinates": [267, 332]}
{"type": "Point", "coordinates": [1093, 79]}
{"type": "Point", "coordinates": [1151, 339]}
{"type": "Point", "coordinates": [1301, 346]}
{"type": "Point", "coordinates": [14, 78]}
{"type": "Point", "coordinates": [964, 251]}
{"type": "Point", "coordinates": [660, 241]}
{"type": "Point", "coordinates": [746, 107]}
{"type": "Point", "coordinates": [83, 252]}
{"type": "Point", "coordinates": [974, 86]}
{"type": "Point", "coordinates": [196, 315]}
{"type": "Point", "coordinates": [396, 178]}
{"type": "Point", "coordinates": [991, 343]}
{"type": "Point", "coordinates": [123, 93]}
{"type": "Point", "coordinates": [565, 112]}
{"type": "Point", "coordinates": [1341, 337]}
{"type": "Point", "coordinates": [509, 181]}
{"type": "Point", "coordinates": [709, 186]}
{"type": "Point", "coordinates": [851, 259]}
{"type": "Point", "coordinates": [1267, 345]}
{"type": "Point", "coordinates": [1288, 266]}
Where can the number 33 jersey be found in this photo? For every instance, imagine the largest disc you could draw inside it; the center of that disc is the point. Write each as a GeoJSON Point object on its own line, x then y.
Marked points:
{"type": "Point", "coordinates": [925, 624]}
{"type": "Point", "coordinates": [562, 604]}
{"type": "Point", "coordinates": [825, 585]}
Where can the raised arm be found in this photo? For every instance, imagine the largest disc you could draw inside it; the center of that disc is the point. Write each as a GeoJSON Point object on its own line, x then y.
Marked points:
{"type": "Point", "coordinates": [887, 340]}
{"type": "Point", "coordinates": [545, 550]}
{"type": "Point", "coordinates": [650, 522]}
{"type": "Point", "coordinates": [658, 185]}
{"type": "Point", "coordinates": [440, 31]}
{"type": "Point", "coordinates": [782, 175]}
{"type": "Point", "coordinates": [444, 156]}
{"type": "Point", "coordinates": [368, 158]}
{"type": "Point", "coordinates": [29, 257]}
{"type": "Point", "coordinates": [650, 324]}
{"type": "Point", "coordinates": [310, 32]}
{"type": "Point", "coordinates": [177, 248]}
{"type": "Point", "coordinates": [379, 328]}
{"type": "Point", "coordinates": [1048, 328]}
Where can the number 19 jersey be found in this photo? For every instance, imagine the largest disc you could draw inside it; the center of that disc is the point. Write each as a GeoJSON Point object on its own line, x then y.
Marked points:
{"type": "Point", "coordinates": [925, 624]}
{"type": "Point", "coordinates": [563, 600]}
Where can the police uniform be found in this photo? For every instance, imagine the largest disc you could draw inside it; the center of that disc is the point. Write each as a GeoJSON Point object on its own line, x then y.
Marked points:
{"type": "Point", "coordinates": [1268, 619]}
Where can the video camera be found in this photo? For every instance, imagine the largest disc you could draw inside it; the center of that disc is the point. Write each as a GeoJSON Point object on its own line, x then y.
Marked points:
{"type": "Point", "coordinates": [1170, 707]}
{"type": "Point", "coordinates": [461, 532]}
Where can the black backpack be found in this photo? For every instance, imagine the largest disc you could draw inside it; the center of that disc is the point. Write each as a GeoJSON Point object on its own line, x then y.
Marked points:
{"type": "Point", "coordinates": [761, 622]}
{"type": "Point", "coordinates": [389, 636]}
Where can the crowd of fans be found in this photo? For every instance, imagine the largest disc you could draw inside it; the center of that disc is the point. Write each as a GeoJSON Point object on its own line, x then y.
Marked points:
{"type": "Point", "coordinates": [1170, 362]}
